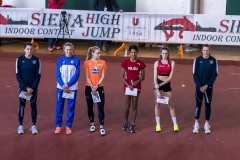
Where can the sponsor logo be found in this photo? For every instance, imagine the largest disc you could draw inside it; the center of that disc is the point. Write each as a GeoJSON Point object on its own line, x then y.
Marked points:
{"type": "Point", "coordinates": [133, 68]}
{"type": "Point", "coordinates": [95, 70]}
{"type": "Point", "coordinates": [135, 21]}
{"type": "Point", "coordinates": [180, 25]}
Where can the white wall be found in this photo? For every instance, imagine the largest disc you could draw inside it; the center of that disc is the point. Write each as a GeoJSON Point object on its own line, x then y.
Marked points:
{"type": "Point", "coordinates": [160, 6]}
{"type": "Point", "coordinates": [25, 3]}
{"type": "Point", "coordinates": [217, 7]}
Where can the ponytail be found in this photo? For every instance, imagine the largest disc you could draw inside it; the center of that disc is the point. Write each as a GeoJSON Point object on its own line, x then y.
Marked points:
{"type": "Point", "coordinates": [90, 51]}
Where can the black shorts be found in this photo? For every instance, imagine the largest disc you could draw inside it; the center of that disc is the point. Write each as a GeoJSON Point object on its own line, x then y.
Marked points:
{"type": "Point", "coordinates": [166, 87]}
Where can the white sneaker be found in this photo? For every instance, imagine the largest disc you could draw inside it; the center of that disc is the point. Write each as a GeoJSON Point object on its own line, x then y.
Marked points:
{"type": "Point", "coordinates": [34, 129]}
{"type": "Point", "coordinates": [20, 129]}
{"type": "Point", "coordinates": [102, 132]}
{"type": "Point", "coordinates": [196, 128]}
{"type": "Point", "coordinates": [207, 128]}
{"type": "Point", "coordinates": [92, 128]}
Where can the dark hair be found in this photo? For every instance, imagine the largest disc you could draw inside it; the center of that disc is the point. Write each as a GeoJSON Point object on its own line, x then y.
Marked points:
{"type": "Point", "coordinates": [90, 51]}
{"type": "Point", "coordinates": [207, 45]}
{"type": "Point", "coordinates": [166, 49]}
{"type": "Point", "coordinates": [133, 47]}
{"type": "Point", "coordinates": [27, 44]}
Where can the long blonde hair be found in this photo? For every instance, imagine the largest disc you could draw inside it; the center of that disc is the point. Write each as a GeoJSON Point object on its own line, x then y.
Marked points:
{"type": "Point", "coordinates": [90, 51]}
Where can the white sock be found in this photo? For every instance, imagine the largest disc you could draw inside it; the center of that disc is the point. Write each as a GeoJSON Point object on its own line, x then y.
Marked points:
{"type": "Point", "coordinates": [174, 119]}
{"type": "Point", "coordinates": [101, 126]}
{"type": "Point", "coordinates": [157, 120]}
{"type": "Point", "coordinates": [196, 122]}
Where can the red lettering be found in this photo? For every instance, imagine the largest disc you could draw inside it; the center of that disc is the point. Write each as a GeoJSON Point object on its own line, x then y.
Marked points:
{"type": "Point", "coordinates": [36, 19]}
{"type": "Point", "coordinates": [86, 34]}
{"type": "Point", "coordinates": [90, 18]}
{"type": "Point", "coordinates": [224, 25]}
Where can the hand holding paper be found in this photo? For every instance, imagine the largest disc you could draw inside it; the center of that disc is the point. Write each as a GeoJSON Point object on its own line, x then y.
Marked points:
{"type": "Point", "coordinates": [96, 98]}
{"type": "Point", "coordinates": [26, 96]}
{"type": "Point", "coordinates": [163, 100]}
{"type": "Point", "coordinates": [68, 94]}
{"type": "Point", "coordinates": [130, 92]}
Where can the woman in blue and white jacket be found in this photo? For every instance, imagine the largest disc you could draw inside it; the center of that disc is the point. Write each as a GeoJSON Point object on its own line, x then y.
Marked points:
{"type": "Point", "coordinates": [67, 74]}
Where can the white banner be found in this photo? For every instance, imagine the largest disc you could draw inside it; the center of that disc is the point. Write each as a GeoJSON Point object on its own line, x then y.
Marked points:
{"type": "Point", "coordinates": [134, 27]}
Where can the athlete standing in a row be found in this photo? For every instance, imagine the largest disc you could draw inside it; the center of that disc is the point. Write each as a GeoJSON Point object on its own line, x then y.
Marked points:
{"type": "Point", "coordinates": [95, 70]}
{"type": "Point", "coordinates": [28, 74]}
{"type": "Point", "coordinates": [205, 71]}
{"type": "Point", "coordinates": [67, 74]}
{"type": "Point", "coordinates": [163, 73]}
{"type": "Point", "coordinates": [132, 74]}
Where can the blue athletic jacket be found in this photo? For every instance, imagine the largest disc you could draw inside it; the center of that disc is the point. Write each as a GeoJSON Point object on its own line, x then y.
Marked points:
{"type": "Point", "coordinates": [28, 72]}
{"type": "Point", "coordinates": [68, 71]}
{"type": "Point", "coordinates": [205, 71]}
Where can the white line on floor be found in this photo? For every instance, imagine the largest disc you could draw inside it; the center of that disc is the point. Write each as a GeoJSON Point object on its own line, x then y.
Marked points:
{"type": "Point", "coordinates": [238, 74]}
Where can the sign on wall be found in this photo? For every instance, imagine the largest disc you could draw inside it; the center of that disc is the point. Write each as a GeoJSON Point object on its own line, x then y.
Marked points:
{"type": "Point", "coordinates": [135, 27]}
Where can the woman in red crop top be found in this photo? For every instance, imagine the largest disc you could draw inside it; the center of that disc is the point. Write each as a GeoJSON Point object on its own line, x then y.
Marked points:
{"type": "Point", "coordinates": [163, 72]}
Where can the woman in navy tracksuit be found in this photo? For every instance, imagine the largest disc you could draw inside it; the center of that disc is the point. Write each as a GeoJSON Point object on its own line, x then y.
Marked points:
{"type": "Point", "coordinates": [28, 74]}
{"type": "Point", "coordinates": [205, 71]}
{"type": "Point", "coordinates": [67, 74]}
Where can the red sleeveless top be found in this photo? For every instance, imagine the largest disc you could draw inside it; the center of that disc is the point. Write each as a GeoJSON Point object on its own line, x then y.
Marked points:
{"type": "Point", "coordinates": [164, 69]}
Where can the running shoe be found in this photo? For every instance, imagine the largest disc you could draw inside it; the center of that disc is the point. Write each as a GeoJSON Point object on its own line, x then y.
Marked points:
{"type": "Point", "coordinates": [125, 126]}
{"type": "Point", "coordinates": [58, 47]}
{"type": "Point", "coordinates": [102, 132]}
{"type": "Point", "coordinates": [68, 131]}
{"type": "Point", "coordinates": [34, 129]}
{"type": "Point", "coordinates": [207, 128]}
{"type": "Point", "coordinates": [133, 128]}
{"type": "Point", "coordinates": [196, 128]}
{"type": "Point", "coordinates": [158, 128]}
{"type": "Point", "coordinates": [92, 128]}
{"type": "Point", "coordinates": [175, 128]}
{"type": "Point", "coordinates": [20, 129]}
{"type": "Point", "coordinates": [50, 49]}
{"type": "Point", "coordinates": [58, 130]}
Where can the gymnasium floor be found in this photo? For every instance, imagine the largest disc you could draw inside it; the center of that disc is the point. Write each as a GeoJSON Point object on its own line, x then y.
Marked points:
{"type": "Point", "coordinates": [221, 144]}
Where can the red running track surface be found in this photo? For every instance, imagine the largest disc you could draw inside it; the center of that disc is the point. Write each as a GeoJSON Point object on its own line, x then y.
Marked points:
{"type": "Point", "coordinates": [146, 144]}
